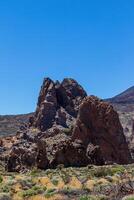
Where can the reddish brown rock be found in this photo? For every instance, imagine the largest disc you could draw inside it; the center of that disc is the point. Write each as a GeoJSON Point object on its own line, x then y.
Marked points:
{"type": "Point", "coordinates": [41, 160]}
{"type": "Point", "coordinates": [99, 124]}
{"type": "Point", "coordinates": [69, 154]}
{"type": "Point", "coordinates": [25, 155]}
{"type": "Point", "coordinates": [69, 128]}
{"type": "Point", "coordinates": [46, 106]}
{"type": "Point", "coordinates": [76, 154]}
{"type": "Point", "coordinates": [57, 104]}
{"type": "Point", "coordinates": [22, 156]}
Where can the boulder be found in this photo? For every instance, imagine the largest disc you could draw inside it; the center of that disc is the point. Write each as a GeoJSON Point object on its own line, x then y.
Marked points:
{"type": "Point", "coordinates": [98, 123]}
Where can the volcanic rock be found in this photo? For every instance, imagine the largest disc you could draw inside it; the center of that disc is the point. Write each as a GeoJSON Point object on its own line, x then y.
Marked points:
{"type": "Point", "coordinates": [57, 104]}
{"type": "Point", "coordinates": [22, 155]}
{"type": "Point", "coordinates": [99, 124]}
{"type": "Point", "coordinates": [69, 128]}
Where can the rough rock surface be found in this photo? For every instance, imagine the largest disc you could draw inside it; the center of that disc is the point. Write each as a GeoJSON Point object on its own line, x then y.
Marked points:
{"type": "Point", "coordinates": [68, 128]}
{"type": "Point", "coordinates": [99, 124]}
{"type": "Point", "coordinates": [57, 104]}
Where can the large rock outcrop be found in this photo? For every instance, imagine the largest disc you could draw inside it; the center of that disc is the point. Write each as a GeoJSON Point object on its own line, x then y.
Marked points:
{"type": "Point", "coordinates": [57, 104]}
{"type": "Point", "coordinates": [98, 123]}
{"type": "Point", "coordinates": [69, 128]}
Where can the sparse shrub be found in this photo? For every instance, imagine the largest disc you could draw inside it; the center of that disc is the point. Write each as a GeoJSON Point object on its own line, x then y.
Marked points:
{"type": "Point", "coordinates": [11, 182]}
{"type": "Point", "coordinates": [27, 183]}
{"type": "Point", "coordinates": [129, 198]}
{"type": "Point", "coordinates": [109, 178]}
{"type": "Point", "coordinates": [66, 190]}
{"type": "Point", "coordinates": [50, 193]}
{"type": "Point", "coordinates": [85, 197]}
{"type": "Point", "coordinates": [33, 191]}
{"type": "Point", "coordinates": [51, 190]}
{"type": "Point", "coordinates": [117, 169]}
{"type": "Point", "coordinates": [5, 189]}
{"type": "Point", "coordinates": [103, 197]}
{"type": "Point", "coordinates": [1, 179]}
{"type": "Point", "coordinates": [66, 178]}
{"type": "Point", "coordinates": [108, 171]}
{"type": "Point", "coordinates": [55, 182]}
{"type": "Point", "coordinates": [34, 172]}
{"type": "Point", "coordinates": [68, 131]}
{"type": "Point", "coordinates": [60, 166]}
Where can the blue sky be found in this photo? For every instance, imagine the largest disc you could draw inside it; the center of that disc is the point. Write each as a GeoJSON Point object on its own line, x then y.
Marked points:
{"type": "Point", "coordinates": [91, 41]}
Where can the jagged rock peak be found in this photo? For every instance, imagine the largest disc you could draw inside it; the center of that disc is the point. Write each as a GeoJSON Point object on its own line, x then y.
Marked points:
{"type": "Point", "coordinates": [73, 87]}
{"type": "Point", "coordinates": [57, 103]}
{"type": "Point", "coordinates": [69, 128]}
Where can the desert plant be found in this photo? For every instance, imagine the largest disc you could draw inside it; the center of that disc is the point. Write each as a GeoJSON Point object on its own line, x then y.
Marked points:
{"type": "Point", "coordinates": [55, 182]}
{"type": "Point", "coordinates": [129, 198]}
{"type": "Point", "coordinates": [68, 131]}
{"type": "Point", "coordinates": [33, 191]}
{"type": "Point", "coordinates": [5, 188]}
{"type": "Point", "coordinates": [34, 172]}
{"type": "Point", "coordinates": [107, 171]}
{"type": "Point", "coordinates": [91, 197]}
{"type": "Point", "coordinates": [49, 193]}
{"type": "Point", "coordinates": [1, 179]}
{"type": "Point", "coordinates": [85, 197]}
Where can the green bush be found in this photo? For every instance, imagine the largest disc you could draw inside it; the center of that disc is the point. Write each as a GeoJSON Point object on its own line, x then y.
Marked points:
{"type": "Point", "coordinates": [50, 193]}
{"type": "Point", "coordinates": [33, 191]}
{"type": "Point", "coordinates": [108, 171]}
{"type": "Point", "coordinates": [68, 131]}
{"type": "Point", "coordinates": [93, 198]}
{"type": "Point", "coordinates": [34, 172]}
{"type": "Point", "coordinates": [88, 198]}
{"type": "Point", "coordinates": [130, 198]}
{"type": "Point", "coordinates": [1, 179]}
{"type": "Point", "coordinates": [55, 182]}
{"type": "Point", "coordinates": [5, 189]}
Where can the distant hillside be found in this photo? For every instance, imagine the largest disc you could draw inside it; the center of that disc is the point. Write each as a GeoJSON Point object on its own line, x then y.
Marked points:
{"type": "Point", "coordinates": [126, 97]}
{"type": "Point", "coordinates": [9, 124]}
{"type": "Point", "coordinates": [124, 105]}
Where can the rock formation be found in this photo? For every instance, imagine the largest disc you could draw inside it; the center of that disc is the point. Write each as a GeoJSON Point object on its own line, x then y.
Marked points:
{"type": "Point", "coordinates": [68, 128]}
{"type": "Point", "coordinates": [57, 104]}
{"type": "Point", "coordinates": [99, 124]}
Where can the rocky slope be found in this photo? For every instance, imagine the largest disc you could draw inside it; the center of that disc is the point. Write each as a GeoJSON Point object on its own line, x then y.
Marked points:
{"type": "Point", "coordinates": [10, 124]}
{"type": "Point", "coordinates": [68, 128]}
{"type": "Point", "coordinates": [126, 97]}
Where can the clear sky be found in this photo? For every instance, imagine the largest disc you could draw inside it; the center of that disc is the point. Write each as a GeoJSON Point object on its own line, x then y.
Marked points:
{"type": "Point", "coordinates": [91, 41]}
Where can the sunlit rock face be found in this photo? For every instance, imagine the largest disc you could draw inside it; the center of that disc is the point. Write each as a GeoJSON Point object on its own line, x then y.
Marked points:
{"type": "Point", "coordinates": [58, 103]}
{"type": "Point", "coordinates": [98, 123]}
{"type": "Point", "coordinates": [69, 128]}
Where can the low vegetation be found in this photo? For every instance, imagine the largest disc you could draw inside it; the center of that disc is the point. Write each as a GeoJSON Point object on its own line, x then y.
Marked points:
{"type": "Point", "coordinates": [87, 183]}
